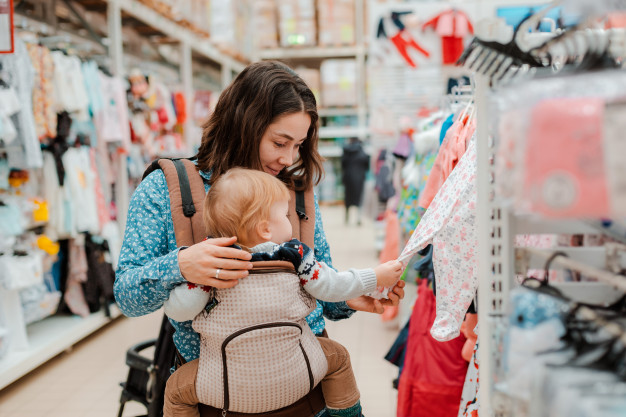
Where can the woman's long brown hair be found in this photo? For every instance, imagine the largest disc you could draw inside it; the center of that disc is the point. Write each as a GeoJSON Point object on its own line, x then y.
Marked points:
{"type": "Point", "coordinates": [260, 94]}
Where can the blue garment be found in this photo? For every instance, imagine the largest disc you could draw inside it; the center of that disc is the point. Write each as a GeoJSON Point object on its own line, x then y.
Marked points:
{"type": "Point", "coordinates": [445, 126]}
{"type": "Point", "coordinates": [148, 265]}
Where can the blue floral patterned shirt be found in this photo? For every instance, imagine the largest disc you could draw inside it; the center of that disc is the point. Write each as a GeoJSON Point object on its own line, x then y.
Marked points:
{"type": "Point", "coordinates": [148, 265]}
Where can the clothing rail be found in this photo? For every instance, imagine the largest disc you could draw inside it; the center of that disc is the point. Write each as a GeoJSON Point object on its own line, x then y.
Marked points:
{"type": "Point", "coordinates": [618, 281]}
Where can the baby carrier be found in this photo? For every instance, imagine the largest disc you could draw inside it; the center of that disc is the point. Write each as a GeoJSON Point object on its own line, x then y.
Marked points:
{"type": "Point", "coordinates": [244, 353]}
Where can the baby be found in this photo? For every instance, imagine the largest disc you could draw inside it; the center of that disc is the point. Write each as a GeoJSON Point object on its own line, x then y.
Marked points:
{"type": "Point", "coordinates": [254, 205]}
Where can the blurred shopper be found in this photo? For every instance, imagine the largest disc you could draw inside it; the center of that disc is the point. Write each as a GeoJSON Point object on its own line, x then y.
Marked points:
{"type": "Point", "coordinates": [354, 165]}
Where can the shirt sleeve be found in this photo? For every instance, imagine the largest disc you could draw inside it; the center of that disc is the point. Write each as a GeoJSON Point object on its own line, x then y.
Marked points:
{"type": "Point", "coordinates": [186, 301]}
{"type": "Point", "coordinates": [326, 284]}
{"type": "Point", "coordinates": [148, 267]}
{"type": "Point", "coordinates": [332, 311]}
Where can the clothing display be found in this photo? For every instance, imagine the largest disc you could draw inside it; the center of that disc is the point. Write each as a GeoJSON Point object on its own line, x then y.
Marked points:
{"type": "Point", "coordinates": [453, 26]}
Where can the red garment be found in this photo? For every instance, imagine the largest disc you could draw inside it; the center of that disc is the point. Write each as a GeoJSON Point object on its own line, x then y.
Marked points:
{"type": "Point", "coordinates": [434, 372]}
{"type": "Point", "coordinates": [453, 26]}
{"type": "Point", "coordinates": [402, 41]}
{"type": "Point", "coordinates": [180, 105]}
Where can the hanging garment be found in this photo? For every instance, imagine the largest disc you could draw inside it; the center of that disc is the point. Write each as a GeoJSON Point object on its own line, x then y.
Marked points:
{"type": "Point", "coordinates": [354, 165]}
{"type": "Point", "coordinates": [112, 122]}
{"type": "Point", "coordinates": [20, 75]}
{"type": "Point", "coordinates": [44, 110]}
{"type": "Point", "coordinates": [432, 379]}
{"type": "Point", "coordinates": [101, 206]}
{"type": "Point", "coordinates": [81, 183]}
{"type": "Point", "coordinates": [452, 26]}
{"type": "Point", "coordinates": [69, 85]}
{"type": "Point", "coordinates": [450, 152]}
{"type": "Point", "coordinates": [93, 87]}
{"type": "Point", "coordinates": [469, 398]}
{"type": "Point", "coordinates": [180, 105]}
{"type": "Point", "coordinates": [402, 41]}
{"type": "Point", "coordinates": [74, 295]}
{"type": "Point", "coordinates": [450, 225]}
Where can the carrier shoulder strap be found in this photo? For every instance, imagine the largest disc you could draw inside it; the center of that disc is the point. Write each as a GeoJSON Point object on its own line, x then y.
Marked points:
{"type": "Point", "coordinates": [187, 195]}
{"type": "Point", "coordinates": [302, 216]}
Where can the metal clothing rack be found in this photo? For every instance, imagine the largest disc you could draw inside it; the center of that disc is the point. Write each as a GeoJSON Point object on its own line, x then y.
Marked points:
{"type": "Point", "coordinates": [498, 259]}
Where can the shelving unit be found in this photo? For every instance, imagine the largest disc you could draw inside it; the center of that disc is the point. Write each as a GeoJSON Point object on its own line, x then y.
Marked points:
{"type": "Point", "coordinates": [46, 338]}
{"type": "Point", "coordinates": [49, 337]}
{"type": "Point", "coordinates": [313, 55]}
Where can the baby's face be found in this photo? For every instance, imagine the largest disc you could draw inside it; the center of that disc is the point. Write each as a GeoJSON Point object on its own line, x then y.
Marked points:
{"type": "Point", "coordinates": [280, 226]}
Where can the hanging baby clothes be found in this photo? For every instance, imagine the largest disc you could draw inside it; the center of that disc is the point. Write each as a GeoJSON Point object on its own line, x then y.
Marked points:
{"type": "Point", "coordinates": [43, 92]}
{"type": "Point", "coordinates": [452, 25]}
{"type": "Point", "coordinates": [92, 86]}
{"type": "Point", "coordinates": [80, 180]}
{"type": "Point", "coordinates": [469, 398]}
{"type": "Point", "coordinates": [431, 382]}
{"type": "Point", "coordinates": [450, 225]}
{"type": "Point", "coordinates": [17, 72]}
{"type": "Point", "coordinates": [450, 152]}
{"type": "Point", "coordinates": [69, 86]}
{"type": "Point", "coordinates": [112, 122]}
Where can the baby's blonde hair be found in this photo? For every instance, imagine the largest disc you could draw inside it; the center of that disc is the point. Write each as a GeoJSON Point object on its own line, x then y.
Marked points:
{"type": "Point", "coordinates": [239, 200]}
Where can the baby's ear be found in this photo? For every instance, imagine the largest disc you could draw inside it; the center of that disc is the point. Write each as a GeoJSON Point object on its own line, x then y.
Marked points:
{"type": "Point", "coordinates": [264, 230]}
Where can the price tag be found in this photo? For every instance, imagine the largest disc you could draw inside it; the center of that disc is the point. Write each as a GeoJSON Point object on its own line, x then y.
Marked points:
{"type": "Point", "coordinates": [7, 30]}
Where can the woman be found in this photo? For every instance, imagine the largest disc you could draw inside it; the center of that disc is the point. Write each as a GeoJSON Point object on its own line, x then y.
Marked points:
{"type": "Point", "coordinates": [266, 120]}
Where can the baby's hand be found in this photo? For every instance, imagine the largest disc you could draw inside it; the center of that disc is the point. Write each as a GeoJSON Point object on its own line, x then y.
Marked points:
{"type": "Point", "coordinates": [387, 274]}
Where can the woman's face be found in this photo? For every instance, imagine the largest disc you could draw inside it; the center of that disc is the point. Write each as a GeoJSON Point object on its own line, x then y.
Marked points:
{"type": "Point", "coordinates": [281, 141]}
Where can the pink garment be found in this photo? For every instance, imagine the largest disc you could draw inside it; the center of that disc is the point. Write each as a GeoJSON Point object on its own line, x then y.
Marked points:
{"type": "Point", "coordinates": [450, 225]}
{"type": "Point", "coordinates": [451, 150]}
{"type": "Point", "coordinates": [565, 172]}
{"type": "Point", "coordinates": [101, 206]}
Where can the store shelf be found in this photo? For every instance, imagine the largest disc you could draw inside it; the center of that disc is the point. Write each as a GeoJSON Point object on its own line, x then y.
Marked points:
{"type": "Point", "coordinates": [49, 337]}
{"type": "Point", "coordinates": [311, 52]}
{"type": "Point", "coordinates": [175, 31]}
{"type": "Point", "coordinates": [342, 132]}
{"type": "Point", "coordinates": [339, 111]}
{"type": "Point", "coordinates": [337, 151]}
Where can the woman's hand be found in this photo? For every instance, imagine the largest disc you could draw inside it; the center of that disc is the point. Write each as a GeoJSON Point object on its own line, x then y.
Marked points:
{"type": "Point", "coordinates": [200, 263]}
{"type": "Point", "coordinates": [371, 305]}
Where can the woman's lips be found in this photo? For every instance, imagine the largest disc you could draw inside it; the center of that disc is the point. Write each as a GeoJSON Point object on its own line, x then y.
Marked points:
{"type": "Point", "coordinates": [272, 171]}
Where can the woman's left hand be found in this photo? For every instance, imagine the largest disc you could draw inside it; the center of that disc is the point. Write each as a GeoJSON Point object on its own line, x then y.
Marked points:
{"type": "Point", "coordinates": [371, 305]}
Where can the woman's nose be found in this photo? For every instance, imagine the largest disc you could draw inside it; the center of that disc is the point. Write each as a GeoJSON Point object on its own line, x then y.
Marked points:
{"type": "Point", "coordinates": [286, 158]}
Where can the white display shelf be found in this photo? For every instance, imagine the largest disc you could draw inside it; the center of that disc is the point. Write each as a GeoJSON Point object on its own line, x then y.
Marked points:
{"type": "Point", "coordinates": [47, 338]}
{"type": "Point", "coordinates": [174, 30]}
{"type": "Point", "coordinates": [338, 111]}
{"type": "Point", "coordinates": [312, 52]}
{"type": "Point", "coordinates": [342, 132]}
{"type": "Point", "coordinates": [337, 151]}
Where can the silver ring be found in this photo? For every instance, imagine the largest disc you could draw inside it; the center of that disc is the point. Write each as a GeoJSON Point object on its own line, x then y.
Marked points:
{"type": "Point", "coordinates": [217, 273]}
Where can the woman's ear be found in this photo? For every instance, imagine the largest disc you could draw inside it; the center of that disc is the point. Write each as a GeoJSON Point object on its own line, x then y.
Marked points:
{"type": "Point", "coordinates": [264, 230]}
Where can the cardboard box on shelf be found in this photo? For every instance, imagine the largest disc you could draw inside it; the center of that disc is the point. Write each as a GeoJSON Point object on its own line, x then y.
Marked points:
{"type": "Point", "coordinates": [336, 20]}
{"type": "Point", "coordinates": [296, 25]}
{"type": "Point", "coordinates": [311, 77]}
{"type": "Point", "coordinates": [338, 78]}
{"type": "Point", "coordinates": [265, 22]}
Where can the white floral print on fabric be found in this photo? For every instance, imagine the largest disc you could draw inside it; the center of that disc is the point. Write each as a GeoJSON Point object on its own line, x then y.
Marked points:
{"type": "Point", "coordinates": [148, 265]}
{"type": "Point", "coordinates": [450, 225]}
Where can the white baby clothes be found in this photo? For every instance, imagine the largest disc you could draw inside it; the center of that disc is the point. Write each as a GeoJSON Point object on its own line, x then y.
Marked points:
{"type": "Point", "coordinates": [450, 225]}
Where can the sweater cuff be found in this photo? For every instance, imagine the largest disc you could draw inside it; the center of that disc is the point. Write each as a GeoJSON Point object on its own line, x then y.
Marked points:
{"type": "Point", "coordinates": [169, 269]}
{"type": "Point", "coordinates": [368, 278]}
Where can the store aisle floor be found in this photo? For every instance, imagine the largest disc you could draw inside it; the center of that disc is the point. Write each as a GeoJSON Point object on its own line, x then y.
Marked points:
{"type": "Point", "coordinates": [85, 381]}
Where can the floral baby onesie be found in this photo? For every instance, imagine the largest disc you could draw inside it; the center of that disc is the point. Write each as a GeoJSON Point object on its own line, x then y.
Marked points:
{"type": "Point", "coordinates": [450, 225]}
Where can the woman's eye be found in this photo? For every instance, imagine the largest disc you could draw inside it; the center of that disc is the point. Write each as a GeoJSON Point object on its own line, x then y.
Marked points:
{"type": "Point", "coordinates": [279, 145]}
